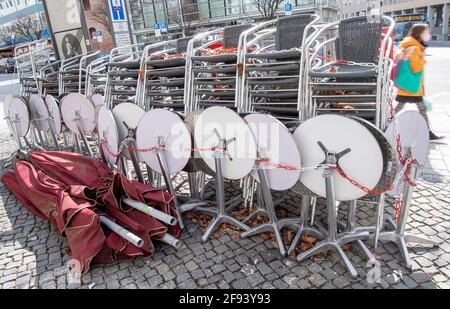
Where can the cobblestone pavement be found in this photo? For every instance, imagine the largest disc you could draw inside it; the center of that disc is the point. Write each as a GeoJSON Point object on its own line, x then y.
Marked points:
{"type": "Point", "coordinates": [33, 254]}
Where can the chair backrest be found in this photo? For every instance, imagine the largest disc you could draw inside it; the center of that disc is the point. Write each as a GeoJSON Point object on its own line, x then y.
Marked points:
{"type": "Point", "coordinates": [359, 39]}
{"type": "Point", "coordinates": [289, 33]}
{"type": "Point", "coordinates": [182, 44]}
{"type": "Point", "coordinates": [231, 35]}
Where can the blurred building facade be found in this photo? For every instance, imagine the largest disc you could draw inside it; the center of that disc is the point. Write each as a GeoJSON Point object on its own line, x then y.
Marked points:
{"type": "Point", "coordinates": [351, 8]}
{"type": "Point", "coordinates": [186, 16]}
{"type": "Point", "coordinates": [437, 13]}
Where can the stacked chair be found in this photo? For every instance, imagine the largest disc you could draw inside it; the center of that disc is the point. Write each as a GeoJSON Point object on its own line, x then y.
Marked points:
{"type": "Point", "coordinates": [96, 75]}
{"type": "Point", "coordinates": [49, 79]}
{"type": "Point", "coordinates": [272, 78]}
{"type": "Point", "coordinates": [71, 74]}
{"type": "Point", "coordinates": [353, 70]}
{"type": "Point", "coordinates": [162, 75]}
{"type": "Point", "coordinates": [214, 72]}
{"type": "Point", "coordinates": [122, 73]}
{"type": "Point", "coordinates": [30, 59]}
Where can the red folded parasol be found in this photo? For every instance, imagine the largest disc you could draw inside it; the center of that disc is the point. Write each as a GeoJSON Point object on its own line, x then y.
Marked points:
{"type": "Point", "coordinates": [72, 191]}
{"type": "Point", "coordinates": [49, 199]}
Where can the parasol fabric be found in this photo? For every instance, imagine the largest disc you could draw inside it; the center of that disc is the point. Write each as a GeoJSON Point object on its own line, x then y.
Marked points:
{"type": "Point", "coordinates": [49, 199]}
{"type": "Point", "coordinates": [72, 168]}
{"type": "Point", "coordinates": [10, 181]}
{"type": "Point", "coordinates": [72, 191]}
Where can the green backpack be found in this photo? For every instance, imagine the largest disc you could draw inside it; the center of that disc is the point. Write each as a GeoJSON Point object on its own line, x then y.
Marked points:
{"type": "Point", "coordinates": [406, 79]}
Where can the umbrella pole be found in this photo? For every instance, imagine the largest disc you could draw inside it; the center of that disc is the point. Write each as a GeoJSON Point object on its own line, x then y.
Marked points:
{"type": "Point", "coordinates": [15, 134]}
{"type": "Point", "coordinates": [152, 212]}
{"type": "Point", "coordinates": [171, 241]}
{"type": "Point", "coordinates": [190, 205]}
{"type": "Point", "coordinates": [164, 171]}
{"type": "Point", "coordinates": [53, 135]}
{"type": "Point", "coordinates": [135, 162]}
{"type": "Point", "coordinates": [122, 232]}
{"type": "Point", "coordinates": [77, 143]}
{"type": "Point", "coordinates": [85, 141]}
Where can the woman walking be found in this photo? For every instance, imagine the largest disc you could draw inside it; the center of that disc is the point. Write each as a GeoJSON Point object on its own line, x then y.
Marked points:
{"type": "Point", "coordinates": [413, 48]}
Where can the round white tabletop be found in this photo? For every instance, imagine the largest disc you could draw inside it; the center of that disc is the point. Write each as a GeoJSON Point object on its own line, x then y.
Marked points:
{"type": "Point", "coordinates": [220, 123]}
{"type": "Point", "coordinates": [75, 108]}
{"type": "Point", "coordinates": [163, 127]}
{"type": "Point", "coordinates": [364, 162]}
{"type": "Point", "coordinates": [276, 145]}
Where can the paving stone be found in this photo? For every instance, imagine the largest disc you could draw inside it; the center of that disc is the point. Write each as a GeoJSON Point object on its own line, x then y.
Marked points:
{"type": "Point", "coordinates": [304, 284]}
{"type": "Point", "coordinates": [424, 262]}
{"type": "Point", "coordinates": [279, 284]}
{"type": "Point", "coordinates": [409, 282]}
{"type": "Point", "coordinates": [328, 286]}
{"type": "Point", "coordinates": [197, 274]}
{"type": "Point", "coordinates": [317, 280]}
{"type": "Point", "coordinates": [267, 286]}
{"type": "Point", "coordinates": [255, 279]}
{"type": "Point", "coordinates": [162, 268]}
{"type": "Point", "coordinates": [187, 284]}
{"type": "Point", "coordinates": [264, 268]}
{"type": "Point", "coordinates": [228, 276]}
{"type": "Point", "coordinates": [341, 282]}
{"type": "Point", "coordinates": [218, 268]}
{"type": "Point", "coordinates": [169, 285]}
{"type": "Point", "coordinates": [169, 276]}
{"type": "Point", "coordinates": [191, 266]}
{"type": "Point", "coordinates": [300, 272]}
{"type": "Point", "coordinates": [241, 284]}
{"type": "Point", "coordinates": [155, 281]}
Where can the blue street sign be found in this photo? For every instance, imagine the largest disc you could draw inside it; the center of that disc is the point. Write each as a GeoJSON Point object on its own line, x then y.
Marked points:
{"type": "Point", "coordinates": [117, 10]}
{"type": "Point", "coordinates": [163, 26]}
{"type": "Point", "coordinates": [288, 7]}
{"type": "Point", "coordinates": [156, 26]}
{"type": "Point", "coordinates": [99, 33]}
{"type": "Point", "coordinates": [45, 32]}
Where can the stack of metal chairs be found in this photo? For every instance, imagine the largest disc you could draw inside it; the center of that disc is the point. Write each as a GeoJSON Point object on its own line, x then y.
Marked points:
{"type": "Point", "coordinates": [353, 71]}
{"type": "Point", "coordinates": [272, 75]}
{"type": "Point", "coordinates": [49, 79]}
{"type": "Point", "coordinates": [162, 78]}
{"type": "Point", "coordinates": [73, 73]}
{"type": "Point", "coordinates": [122, 74]}
{"type": "Point", "coordinates": [96, 75]}
{"type": "Point", "coordinates": [30, 59]}
{"type": "Point", "coordinates": [213, 73]}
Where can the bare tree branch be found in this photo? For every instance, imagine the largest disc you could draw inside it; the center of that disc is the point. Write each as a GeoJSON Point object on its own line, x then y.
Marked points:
{"type": "Point", "coordinates": [190, 14]}
{"type": "Point", "coordinates": [267, 8]}
{"type": "Point", "coordinates": [28, 28]}
{"type": "Point", "coordinates": [7, 36]}
{"type": "Point", "coordinates": [100, 14]}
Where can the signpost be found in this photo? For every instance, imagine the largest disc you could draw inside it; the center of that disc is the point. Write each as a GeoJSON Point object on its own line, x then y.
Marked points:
{"type": "Point", "coordinates": [120, 22]}
{"type": "Point", "coordinates": [117, 10]}
{"type": "Point", "coordinates": [157, 28]}
{"type": "Point", "coordinates": [163, 27]}
{"type": "Point", "coordinates": [288, 7]}
{"type": "Point", "coordinates": [99, 36]}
